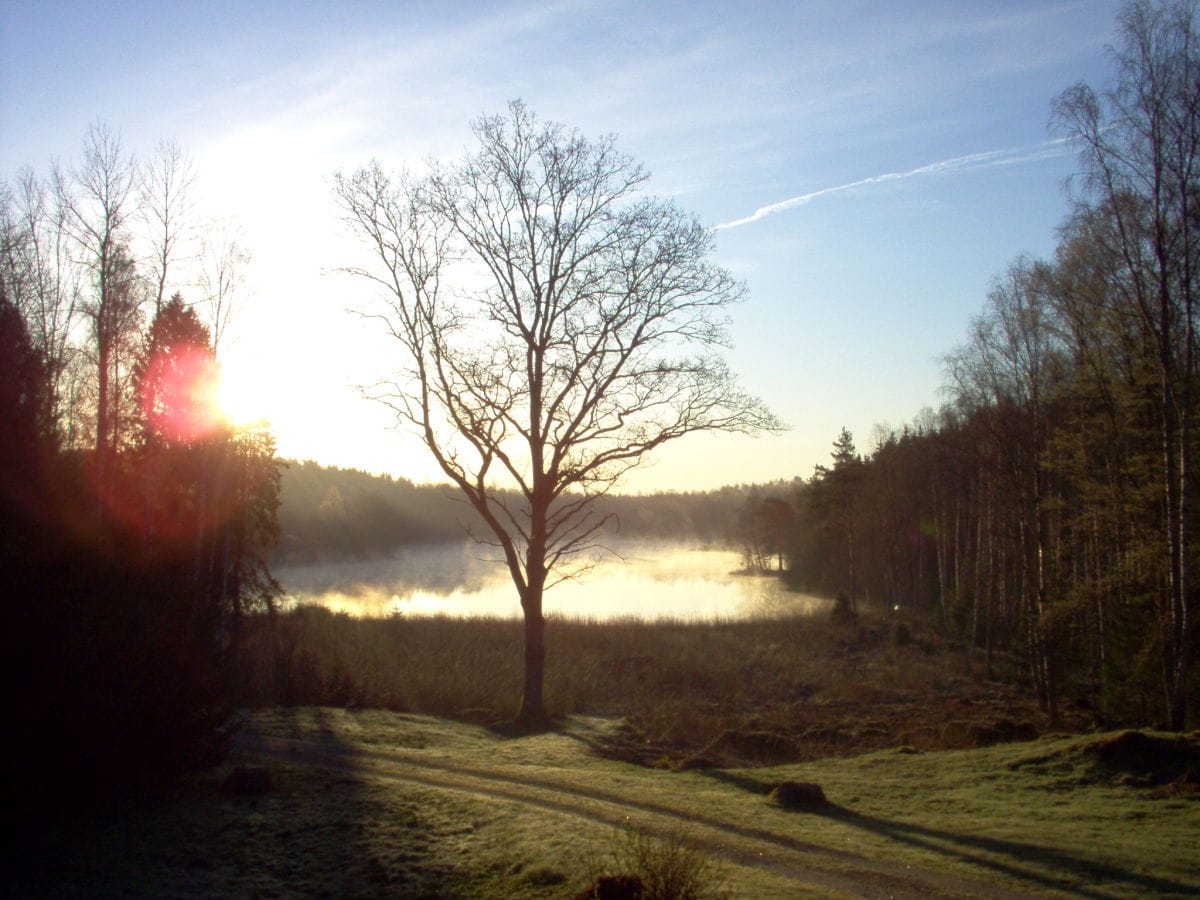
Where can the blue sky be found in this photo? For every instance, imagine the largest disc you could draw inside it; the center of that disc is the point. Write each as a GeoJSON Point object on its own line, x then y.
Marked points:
{"type": "Point", "coordinates": [910, 138]}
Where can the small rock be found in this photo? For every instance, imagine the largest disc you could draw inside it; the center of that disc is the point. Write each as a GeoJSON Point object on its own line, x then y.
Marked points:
{"type": "Point", "coordinates": [797, 795]}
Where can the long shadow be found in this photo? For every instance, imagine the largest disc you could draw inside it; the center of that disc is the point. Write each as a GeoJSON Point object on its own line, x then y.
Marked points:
{"type": "Point", "coordinates": [1016, 856]}
{"type": "Point", "coordinates": [278, 830]}
{"type": "Point", "coordinates": [607, 747]}
{"type": "Point", "coordinates": [325, 816]}
{"type": "Point", "coordinates": [745, 783]}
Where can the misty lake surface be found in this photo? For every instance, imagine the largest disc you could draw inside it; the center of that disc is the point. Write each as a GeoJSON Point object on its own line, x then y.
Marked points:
{"type": "Point", "coordinates": [660, 580]}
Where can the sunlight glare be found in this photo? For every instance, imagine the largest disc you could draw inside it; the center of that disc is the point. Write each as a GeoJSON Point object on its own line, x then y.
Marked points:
{"type": "Point", "coordinates": [178, 391]}
{"type": "Point", "coordinates": [245, 398]}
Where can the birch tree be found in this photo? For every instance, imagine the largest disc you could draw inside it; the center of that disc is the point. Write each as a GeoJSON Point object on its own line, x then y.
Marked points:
{"type": "Point", "coordinates": [1139, 142]}
{"type": "Point", "coordinates": [167, 184]}
{"type": "Point", "coordinates": [99, 199]}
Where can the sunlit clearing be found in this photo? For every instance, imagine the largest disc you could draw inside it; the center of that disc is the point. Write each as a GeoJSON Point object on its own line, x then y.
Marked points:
{"type": "Point", "coordinates": [179, 394]}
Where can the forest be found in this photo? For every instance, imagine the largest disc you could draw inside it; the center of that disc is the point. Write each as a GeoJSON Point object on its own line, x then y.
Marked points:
{"type": "Point", "coordinates": [1048, 510]}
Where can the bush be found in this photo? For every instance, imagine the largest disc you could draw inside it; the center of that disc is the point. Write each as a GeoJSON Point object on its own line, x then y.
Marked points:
{"type": "Point", "coordinates": [671, 867]}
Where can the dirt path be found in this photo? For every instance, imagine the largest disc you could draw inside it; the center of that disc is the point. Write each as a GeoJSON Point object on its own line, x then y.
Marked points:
{"type": "Point", "coordinates": [807, 866]}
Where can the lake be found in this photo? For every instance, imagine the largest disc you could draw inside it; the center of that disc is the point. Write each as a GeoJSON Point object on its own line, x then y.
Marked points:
{"type": "Point", "coordinates": [638, 580]}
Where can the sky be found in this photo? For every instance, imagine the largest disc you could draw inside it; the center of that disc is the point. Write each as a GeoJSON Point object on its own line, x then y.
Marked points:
{"type": "Point", "coordinates": [868, 168]}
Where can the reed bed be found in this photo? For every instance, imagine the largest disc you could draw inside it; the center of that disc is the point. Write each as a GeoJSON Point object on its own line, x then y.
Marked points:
{"type": "Point", "coordinates": [691, 693]}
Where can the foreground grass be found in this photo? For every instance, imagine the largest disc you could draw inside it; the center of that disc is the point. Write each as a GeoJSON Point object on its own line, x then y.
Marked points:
{"type": "Point", "coordinates": [1049, 815]}
{"type": "Point", "coordinates": [1056, 815]}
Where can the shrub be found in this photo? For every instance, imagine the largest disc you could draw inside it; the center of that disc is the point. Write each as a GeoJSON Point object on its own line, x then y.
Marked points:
{"type": "Point", "coordinates": [670, 867]}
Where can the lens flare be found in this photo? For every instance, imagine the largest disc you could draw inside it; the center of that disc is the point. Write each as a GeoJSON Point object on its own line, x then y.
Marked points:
{"type": "Point", "coordinates": [179, 394]}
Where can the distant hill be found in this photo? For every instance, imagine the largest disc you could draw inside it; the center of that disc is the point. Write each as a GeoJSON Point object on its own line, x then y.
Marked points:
{"type": "Point", "coordinates": [329, 513]}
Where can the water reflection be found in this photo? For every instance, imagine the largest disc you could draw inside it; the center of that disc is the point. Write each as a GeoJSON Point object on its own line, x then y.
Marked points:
{"type": "Point", "coordinates": [642, 580]}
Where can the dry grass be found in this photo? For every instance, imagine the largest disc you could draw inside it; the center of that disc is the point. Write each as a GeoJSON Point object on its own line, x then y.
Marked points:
{"type": "Point", "coordinates": [673, 867]}
{"type": "Point", "coordinates": [748, 692]}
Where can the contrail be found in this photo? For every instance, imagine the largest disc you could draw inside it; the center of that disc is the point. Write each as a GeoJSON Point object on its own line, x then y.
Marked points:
{"type": "Point", "coordinates": [986, 159]}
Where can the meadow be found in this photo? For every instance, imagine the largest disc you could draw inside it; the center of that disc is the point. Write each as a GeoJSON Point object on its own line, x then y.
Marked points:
{"type": "Point", "coordinates": [373, 758]}
{"type": "Point", "coordinates": [373, 803]}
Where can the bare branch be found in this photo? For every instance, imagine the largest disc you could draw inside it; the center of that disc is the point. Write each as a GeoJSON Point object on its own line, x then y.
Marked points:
{"type": "Point", "coordinates": [554, 329]}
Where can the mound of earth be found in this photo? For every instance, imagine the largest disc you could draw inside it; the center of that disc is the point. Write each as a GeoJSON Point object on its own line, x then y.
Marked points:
{"type": "Point", "coordinates": [1153, 758]}
{"type": "Point", "coordinates": [778, 734]}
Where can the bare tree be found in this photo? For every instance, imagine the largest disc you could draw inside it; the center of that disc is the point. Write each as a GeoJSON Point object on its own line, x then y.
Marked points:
{"type": "Point", "coordinates": [39, 277]}
{"type": "Point", "coordinates": [1017, 354]}
{"type": "Point", "coordinates": [98, 200]}
{"type": "Point", "coordinates": [223, 262]}
{"type": "Point", "coordinates": [581, 333]}
{"type": "Point", "coordinates": [167, 179]}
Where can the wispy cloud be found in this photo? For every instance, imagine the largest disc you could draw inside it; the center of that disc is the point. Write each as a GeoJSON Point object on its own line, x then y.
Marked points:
{"type": "Point", "coordinates": [985, 160]}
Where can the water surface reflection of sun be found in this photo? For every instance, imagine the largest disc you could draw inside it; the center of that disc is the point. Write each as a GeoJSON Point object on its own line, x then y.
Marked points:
{"type": "Point", "coordinates": [648, 581]}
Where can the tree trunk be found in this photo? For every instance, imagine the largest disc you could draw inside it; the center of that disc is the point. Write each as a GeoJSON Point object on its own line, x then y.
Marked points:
{"type": "Point", "coordinates": [532, 716]}
{"type": "Point", "coordinates": [102, 419]}
{"type": "Point", "coordinates": [533, 710]}
{"type": "Point", "coordinates": [850, 551]}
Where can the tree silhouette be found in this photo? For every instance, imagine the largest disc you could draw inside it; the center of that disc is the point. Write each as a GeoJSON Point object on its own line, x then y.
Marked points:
{"type": "Point", "coordinates": [98, 200]}
{"type": "Point", "coordinates": [835, 490]}
{"type": "Point", "coordinates": [23, 410]}
{"type": "Point", "coordinates": [177, 377]}
{"type": "Point", "coordinates": [209, 494]}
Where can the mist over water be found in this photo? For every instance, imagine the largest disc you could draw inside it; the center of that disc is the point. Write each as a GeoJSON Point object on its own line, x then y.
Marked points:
{"type": "Point", "coordinates": [636, 580]}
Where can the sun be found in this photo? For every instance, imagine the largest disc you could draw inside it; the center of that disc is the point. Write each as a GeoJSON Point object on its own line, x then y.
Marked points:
{"type": "Point", "coordinates": [244, 396]}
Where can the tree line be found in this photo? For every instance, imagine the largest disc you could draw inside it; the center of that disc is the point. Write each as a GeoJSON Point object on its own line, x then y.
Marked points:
{"type": "Point", "coordinates": [1048, 510]}
{"type": "Point", "coordinates": [330, 513]}
{"type": "Point", "coordinates": [134, 520]}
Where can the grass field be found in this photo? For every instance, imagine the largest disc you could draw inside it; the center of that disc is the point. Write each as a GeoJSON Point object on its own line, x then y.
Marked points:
{"type": "Point", "coordinates": [388, 772]}
{"type": "Point", "coordinates": [374, 803]}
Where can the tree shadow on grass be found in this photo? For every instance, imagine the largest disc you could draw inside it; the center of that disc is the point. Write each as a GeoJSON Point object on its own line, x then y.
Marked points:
{"type": "Point", "coordinates": [746, 783]}
{"type": "Point", "coordinates": [1020, 860]}
{"type": "Point", "coordinates": [277, 824]}
{"type": "Point", "coordinates": [512, 727]}
{"type": "Point", "coordinates": [340, 834]}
